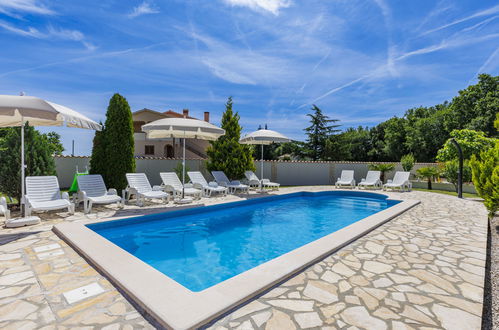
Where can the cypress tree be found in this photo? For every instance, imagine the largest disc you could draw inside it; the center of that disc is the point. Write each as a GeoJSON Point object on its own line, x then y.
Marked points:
{"type": "Point", "coordinates": [114, 153]}
{"type": "Point", "coordinates": [227, 154]}
{"type": "Point", "coordinates": [98, 158]}
{"type": "Point", "coordinates": [37, 156]}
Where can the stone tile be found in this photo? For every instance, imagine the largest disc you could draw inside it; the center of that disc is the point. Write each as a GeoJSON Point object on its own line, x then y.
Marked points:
{"type": "Point", "coordinates": [308, 320]}
{"type": "Point", "coordinates": [279, 321]}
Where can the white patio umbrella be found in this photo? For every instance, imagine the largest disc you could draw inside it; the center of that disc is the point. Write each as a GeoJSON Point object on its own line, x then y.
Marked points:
{"type": "Point", "coordinates": [19, 110]}
{"type": "Point", "coordinates": [263, 137]}
{"type": "Point", "coordinates": [184, 128]}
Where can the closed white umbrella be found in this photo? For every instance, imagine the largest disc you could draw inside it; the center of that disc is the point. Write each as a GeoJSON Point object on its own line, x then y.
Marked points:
{"type": "Point", "coordinates": [19, 110]}
{"type": "Point", "coordinates": [263, 137]}
{"type": "Point", "coordinates": [184, 128]}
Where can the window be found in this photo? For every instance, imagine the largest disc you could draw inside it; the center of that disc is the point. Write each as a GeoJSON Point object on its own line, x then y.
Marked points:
{"type": "Point", "coordinates": [149, 150]}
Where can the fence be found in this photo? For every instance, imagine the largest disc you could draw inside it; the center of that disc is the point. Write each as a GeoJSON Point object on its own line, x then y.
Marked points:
{"type": "Point", "coordinates": [288, 173]}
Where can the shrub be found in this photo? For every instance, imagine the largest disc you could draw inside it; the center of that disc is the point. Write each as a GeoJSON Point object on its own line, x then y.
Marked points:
{"type": "Point", "coordinates": [429, 173]}
{"type": "Point", "coordinates": [450, 172]}
{"type": "Point", "coordinates": [178, 170]}
{"type": "Point", "coordinates": [383, 168]}
{"type": "Point", "coordinates": [485, 171]}
{"type": "Point", "coordinates": [38, 158]}
{"type": "Point", "coordinates": [227, 154]}
{"type": "Point", "coordinates": [407, 162]}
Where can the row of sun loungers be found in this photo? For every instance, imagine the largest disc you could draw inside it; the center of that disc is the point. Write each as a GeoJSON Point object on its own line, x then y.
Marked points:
{"type": "Point", "coordinates": [43, 192]}
{"type": "Point", "coordinates": [400, 180]}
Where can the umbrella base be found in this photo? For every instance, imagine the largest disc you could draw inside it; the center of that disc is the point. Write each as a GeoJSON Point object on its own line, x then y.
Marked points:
{"type": "Point", "coordinates": [185, 200]}
{"type": "Point", "coordinates": [21, 222]}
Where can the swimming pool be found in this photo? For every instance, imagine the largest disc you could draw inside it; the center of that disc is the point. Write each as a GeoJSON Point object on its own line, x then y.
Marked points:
{"type": "Point", "coordinates": [259, 229]}
{"type": "Point", "coordinates": [202, 247]}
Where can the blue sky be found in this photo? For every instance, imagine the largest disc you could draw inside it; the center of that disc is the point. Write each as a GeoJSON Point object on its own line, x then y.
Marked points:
{"type": "Point", "coordinates": [361, 61]}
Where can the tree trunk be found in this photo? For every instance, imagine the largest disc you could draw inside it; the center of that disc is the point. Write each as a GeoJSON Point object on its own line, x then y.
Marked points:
{"type": "Point", "coordinates": [429, 183]}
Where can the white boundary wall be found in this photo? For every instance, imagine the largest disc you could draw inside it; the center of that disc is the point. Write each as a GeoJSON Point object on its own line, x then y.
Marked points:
{"type": "Point", "coordinates": [287, 173]}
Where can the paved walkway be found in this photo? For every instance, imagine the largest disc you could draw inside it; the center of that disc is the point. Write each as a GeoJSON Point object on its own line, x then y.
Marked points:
{"type": "Point", "coordinates": [424, 269]}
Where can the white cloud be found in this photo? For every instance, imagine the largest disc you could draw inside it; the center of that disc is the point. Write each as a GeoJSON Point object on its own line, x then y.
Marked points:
{"type": "Point", "coordinates": [26, 6]}
{"type": "Point", "coordinates": [490, 64]}
{"type": "Point", "coordinates": [486, 12]}
{"type": "Point", "coordinates": [51, 33]}
{"type": "Point", "coordinates": [272, 6]}
{"type": "Point", "coordinates": [143, 9]}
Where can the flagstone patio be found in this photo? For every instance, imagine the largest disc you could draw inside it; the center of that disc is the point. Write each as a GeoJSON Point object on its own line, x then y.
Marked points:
{"type": "Point", "coordinates": [422, 270]}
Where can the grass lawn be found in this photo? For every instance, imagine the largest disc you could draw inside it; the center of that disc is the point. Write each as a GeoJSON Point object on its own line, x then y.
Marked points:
{"type": "Point", "coordinates": [445, 192]}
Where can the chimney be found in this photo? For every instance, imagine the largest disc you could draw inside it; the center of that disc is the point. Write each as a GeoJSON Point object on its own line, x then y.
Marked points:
{"type": "Point", "coordinates": [207, 116]}
{"type": "Point", "coordinates": [185, 112]}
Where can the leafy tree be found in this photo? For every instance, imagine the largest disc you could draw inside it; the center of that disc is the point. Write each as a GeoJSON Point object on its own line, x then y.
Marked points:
{"type": "Point", "coordinates": [429, 173]}
{"type": "Point", "coordinates": [471, 142]}
{"type": "Point", "coordinates": [383, 168]}
{"type": "Point", "coordinates": [377, 142]}
{"type": "Point", "coordinates": [98, 159]}
{"type": "Point", "coordinates": [451, 169]}
{"type": "Point", "coordinates": [37, 153]}
{"type": "Point", "coordinates": [475, 107]}
{"type": "Point", "coordinates": [318, 132]}
{"type": "Point", "coordinates": [335, 148]}
{"type": "Point", "coordinates": [485, 172]}
{"type": "Point", "coordinates": [407, 162]}
{"type": "Point", "coordinates": [355, 144]}
{"type": "Point", "coordinates": [55, 144]}
{"type": "Point", "coordinates": [419, 122]}
{"type": "Point", "coordinates": [395, 137]}
{"type": "Point", "coordinates": [227, 154]}
{"type": "Point", "coordinates": [114, 156]}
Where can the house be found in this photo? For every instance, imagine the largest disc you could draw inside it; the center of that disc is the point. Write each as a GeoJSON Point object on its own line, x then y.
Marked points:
{"type": "Point", "coordinates": [167, 147]}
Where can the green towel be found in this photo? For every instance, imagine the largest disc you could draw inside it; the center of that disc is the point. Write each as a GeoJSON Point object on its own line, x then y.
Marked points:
{"type": "Point", "coordinates": [74, 186]}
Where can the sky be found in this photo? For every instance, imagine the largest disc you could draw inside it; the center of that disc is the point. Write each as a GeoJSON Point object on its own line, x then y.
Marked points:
{"type": "Point", "coordinates": [360, 61]}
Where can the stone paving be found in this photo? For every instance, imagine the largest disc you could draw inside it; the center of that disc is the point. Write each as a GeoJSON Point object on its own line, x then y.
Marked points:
{"type": "Point", "coordinates": [422, 270]}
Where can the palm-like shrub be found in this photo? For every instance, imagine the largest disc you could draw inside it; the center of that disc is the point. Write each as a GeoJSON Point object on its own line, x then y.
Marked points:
{"type": "Point", "coordinates": [429, 173]}
{"type": "Point", "coordinates": [383, 168]}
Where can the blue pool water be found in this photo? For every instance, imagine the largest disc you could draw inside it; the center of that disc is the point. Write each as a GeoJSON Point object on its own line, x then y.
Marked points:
{"type": "Point", "coordinates": [203, 246]}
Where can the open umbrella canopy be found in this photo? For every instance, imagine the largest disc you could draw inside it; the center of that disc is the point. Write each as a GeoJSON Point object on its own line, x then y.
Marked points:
{"type": "Point", "coordinates": [182, 128]}
{"type": "Point", "coordinates": [17, 110]}
{"type": "Point", "coordinates": [264, 137]}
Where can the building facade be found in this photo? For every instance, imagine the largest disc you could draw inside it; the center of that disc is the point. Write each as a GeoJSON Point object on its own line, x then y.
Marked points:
{"type": "Point", "coordinates": [167, 147]}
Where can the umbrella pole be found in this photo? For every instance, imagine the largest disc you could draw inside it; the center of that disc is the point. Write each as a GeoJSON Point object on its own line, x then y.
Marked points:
{"type": "Point", "coordinates": [183, 168]}
{"type": "Point", "coordinates": [261, 171]}
{"type": "Point", "coordinates": [21, 203]}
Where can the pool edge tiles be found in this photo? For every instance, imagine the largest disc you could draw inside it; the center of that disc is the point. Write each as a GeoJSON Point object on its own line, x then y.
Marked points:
{"type": "Point", "coordinates": [174, 306]}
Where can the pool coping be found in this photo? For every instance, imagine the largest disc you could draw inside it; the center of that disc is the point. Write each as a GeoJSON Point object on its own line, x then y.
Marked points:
{"type": "Point", "coordinates": [174, 306]}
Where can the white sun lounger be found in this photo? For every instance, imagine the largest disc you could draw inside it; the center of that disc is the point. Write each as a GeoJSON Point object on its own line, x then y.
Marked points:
{"type": "Point", "coordinates": [43, 194]}
{"type": "Point", "coordinates": [346, 179]}
{"type": "Point", "coordinates": [172, 184]}
{"type": "Point", "coordinates": [200, 182]}
{"type": "Point", "coordinates": [139, 186]}
{"type": "Point", "coordinates": [253, 181]}
{"type": "Point", "coordinates": [372, 180]}
{"type": "Point", "coordinates": [4, 209]}
{"type": "Point", "coordinates": [400, 180]}
{"type": "Point", "coordinates": [224, 181]}
{"type": "Point", "coordinates": [92, 190]}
